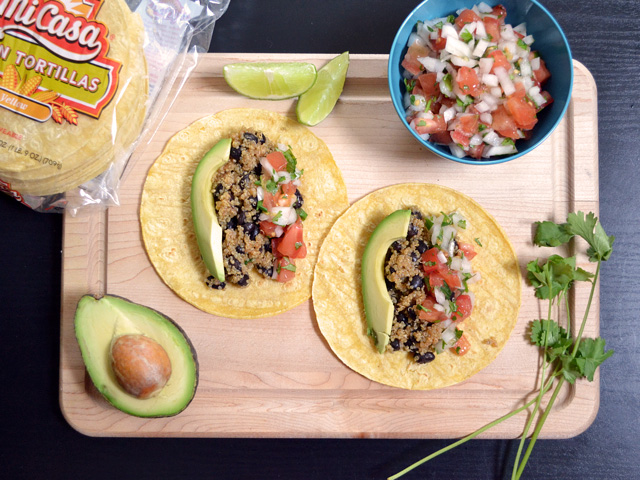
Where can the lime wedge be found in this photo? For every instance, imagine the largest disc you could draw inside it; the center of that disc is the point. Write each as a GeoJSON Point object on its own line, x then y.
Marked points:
{"type": "Point", "coordinates": [270, 81]}
{"type": "Point", "coordinates": [316, 103]}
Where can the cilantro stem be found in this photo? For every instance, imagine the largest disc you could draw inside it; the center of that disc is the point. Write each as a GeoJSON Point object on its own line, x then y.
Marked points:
{"type": "Point", "coordinates": [472, 435]}
{"type": "Point", "coordinates": [540, 393]}
{"type": "Point", "coordinates": [586, 311]}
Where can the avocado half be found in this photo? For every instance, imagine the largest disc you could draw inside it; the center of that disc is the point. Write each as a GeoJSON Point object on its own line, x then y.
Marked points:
{"type": "Point", "coordinates": [205, 220]}
{"type": "Point", "coordinates": [99, 321]}
{"type": "Point", "coordinates": [377, 303]}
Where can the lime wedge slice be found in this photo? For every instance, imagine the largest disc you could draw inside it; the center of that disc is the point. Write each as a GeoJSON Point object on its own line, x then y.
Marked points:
{"type": "Point", "coordinates": [270, 81]}
{"type": "Point", "coordinates": [316, 103]}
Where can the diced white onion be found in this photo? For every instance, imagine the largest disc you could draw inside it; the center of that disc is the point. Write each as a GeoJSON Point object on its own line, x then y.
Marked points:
{"type": "Point", "coordinates": [267, 168]}
{"type": "Point", "coordinates": [432, 64]}
{"type": "Point", "coordinates": [284, 216]}
{"type": "Point", "coordinates": [483, 107]}
{"type": "Point", "coordinates": [475, 140]}
{"type": "Point", "coordinates": [528, 40]}
{"type": "Point", "coordinates": [492, 138]}
{"type": "Point", "coordinates": [463, 62]}
{"type": "Point", "coordinates": [535, 63]}
{"type": "Point", "coordinates": [456, 150]}
{"type": "Point", "coordinates": [449, 31]}
{"type": "Point", "coordinates": [486, 118]}
{"type": "Point", "coordinates": [481, 32]}
{"type": "Point", "coordinates": [485, 64]}
{"type": "Point", "coordinates": [506, 33]}
{"type": "Point", "coordinates": [437, 306]}
{"type": "Point", "coordinates": [484, 8]}
{"type": "Point", "coordinates": [449, 336]}
{"type": "Point", "coordinates": [449, 114]}
{"type": "Point", "coordinates": [501, 150]}
{"type": "Point", "coordinates": [490, 79]}
{"type": "Point", "coordinates": [441, 256]}
{"type": "Point", "coordinates": [415, 39]}
{"type": "Point", "coordinates": [521, 29]}
{"type": "Point", "coordinates": [496, 91]}
{"type": "Point", "coordinates": [525, 68]}
{"type": "Point", "coordinates": [260, 193]}
{"type": "Point", "coordinates": [457, 47]}
{"type": "Point", "coordinates": [481, 47]}
{"type": "Point", "coordinates": [282, 177]}
{"type": "Point", "coordinates": [505, 82]}
{"type": "Point", "coordinates": [440, 298]}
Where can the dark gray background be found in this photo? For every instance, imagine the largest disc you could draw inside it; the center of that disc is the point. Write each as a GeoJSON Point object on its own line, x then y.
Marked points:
{"type": "Point", "coordinates": [36, 442]}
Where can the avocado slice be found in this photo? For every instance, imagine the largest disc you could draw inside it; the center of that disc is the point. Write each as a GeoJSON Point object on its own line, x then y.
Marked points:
{"type": "Point", "coordinates": [377, 303]}
{"type": "Point", "coordinates": [205, 221]}
{"type": "Point", "coordinates": [99, 323]}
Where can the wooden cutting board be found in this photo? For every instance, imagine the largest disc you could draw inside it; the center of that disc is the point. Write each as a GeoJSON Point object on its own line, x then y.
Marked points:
{"type": "Point", "coordinates": [248, 387]}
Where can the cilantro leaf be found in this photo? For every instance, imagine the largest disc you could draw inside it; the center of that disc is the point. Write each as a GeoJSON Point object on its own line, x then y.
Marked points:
{"type": "Point", "coordinates": [600, 245]}
{"type": "Point", "coordinates": [550, 234]}
{"type": "Point", "coordinates": [552, 277]}
{"type": "Point", "coordinates": [590, 355]}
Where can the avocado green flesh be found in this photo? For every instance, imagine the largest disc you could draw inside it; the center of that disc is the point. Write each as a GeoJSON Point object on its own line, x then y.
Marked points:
{"type": "Point", "coordinates": [205, 221]}
{"type": "Point", "coordinates": [98, 322]}
{"type": "Point", "coordinates": [377, 303]}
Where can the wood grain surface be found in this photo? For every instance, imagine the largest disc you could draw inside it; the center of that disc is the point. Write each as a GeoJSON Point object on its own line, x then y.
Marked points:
{"type": "Point", "coordinates": [247, 387]}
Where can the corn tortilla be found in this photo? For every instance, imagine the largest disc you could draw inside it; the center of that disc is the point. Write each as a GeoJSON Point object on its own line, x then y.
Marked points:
{"type": "Point", "coordinates": [338, 302]}
{"type": "Point", "coordinates": [167, 226]}
{"type": "Point", "coordinates": [87, 149]}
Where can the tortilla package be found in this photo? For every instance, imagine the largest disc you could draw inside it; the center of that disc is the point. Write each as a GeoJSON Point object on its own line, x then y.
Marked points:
{"type": "Point", "coordinates": [77, 80]}
{"type": "Point", "coordinates": [339, 305]}
{"type": "Point", "coordinates": [168, 229]}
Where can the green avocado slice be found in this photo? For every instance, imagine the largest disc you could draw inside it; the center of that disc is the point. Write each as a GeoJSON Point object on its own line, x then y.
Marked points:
{"type": "Point", "coordinates": [377, 303]}
{"type": "Point", "coordinates": [205, 221]}
{"type": "Point", "coordinates": [98, 322]}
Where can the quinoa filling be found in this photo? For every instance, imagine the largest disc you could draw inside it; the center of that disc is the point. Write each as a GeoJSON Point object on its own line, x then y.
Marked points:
{"type": "Point", "coordinates": [235, 190]}
{"type": "Point", "coordinates": [427, 309]}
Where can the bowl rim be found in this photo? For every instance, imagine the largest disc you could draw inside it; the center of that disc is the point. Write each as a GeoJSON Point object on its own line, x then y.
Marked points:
{"type": "Point", "coordinates": [399, 108]}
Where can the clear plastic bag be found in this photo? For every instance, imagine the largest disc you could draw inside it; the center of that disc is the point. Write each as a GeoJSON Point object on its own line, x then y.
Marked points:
{"type": "Point", "coordinates": [169, 36]}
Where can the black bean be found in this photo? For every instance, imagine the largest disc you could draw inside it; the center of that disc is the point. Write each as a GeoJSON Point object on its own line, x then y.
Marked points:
{"type": "Point", "coordinates": [234, 263]}
{"type": "Point", "coordinates": [240, 249]}
{"type": "Point", "coordinates": [232, 224]}
{"type": "Point", "coordinates": [395, 344]}
{"type": "Point", "coordinates": [251, 229]}
{"type": "Point", "coordinates": [253, 201]}
{"type": "Point", "coordinates": [266, 246]}
{"type": "Point", "coordinates": [265, 271]}
{"type": "Point", "coordinates": [424, 358]}
{"type": "Point", "coordinates": [416, 283]}
{"type": "Point", "coordinates": [402, 318]}
{"type": "Point", "coordinates": [257, 169]}
{"type": "Point", "coordinates": [251, 137]}
{"type": "Point", "coordinates": [422, 246]}
{"type": "Point", "coordinates": [389, 284]}
{"type": "Point", "coordinates": [214, 283]}
{"type": "Point", "coordinates": [412, 231]}
{"type": "Point", "coordinates": [240, 219]}
{"type": "Point", "coordinates": [392, 270]}
{"type": "Point", "coordinates": [236, 153]}
{"type": "Point", "coordinates": [299, 200]}
{"type": "Point", "coordinates": [397, 245]}
{"type": "Point", "coordinates": [218, 191]}
{"type": "Point", "coordinates": [415, 256]}
{"type": "Point", "coordinates": [263, 139]}
{"type": "Point", "coordinates": [417, 214]}
{"type": "Point", "coordinates": [244, 281]}
{"type": "Point", "coordinates": [412, 313]}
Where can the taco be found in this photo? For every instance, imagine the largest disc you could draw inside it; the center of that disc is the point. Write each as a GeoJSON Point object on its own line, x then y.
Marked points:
{"type": "Point", "coordinates": [80, 109]}
{"type": "Point", "coordinates": [448, 241]}
{"type": "Point", "coordinates": [260, 280]}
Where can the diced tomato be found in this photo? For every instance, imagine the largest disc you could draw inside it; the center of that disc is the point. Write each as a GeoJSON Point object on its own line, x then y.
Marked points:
{"type": "Point", "coordinates": [411, 62]}
{"type": "Point", "coordinates": [501, 12]}
{"type": "Point", "coordinates": [460, 138]}
{"type": "Point", "coordinates": [462, 346]}
{"type": "Point", "coordinates": [277, 161]}
{"type": "Point", "coordinates": [286, 269]}
{"type": "Point", "coordinates": [468, 124]}
{"type": "Point", "coordinates": [476, 151]}
{"type": "Point", "coordinates": [285, 196]}
{"type": "Point", "coordinates": [431, 262]}
{"type": "Point", "coordinates": [291, 244]}
{"type": "Point", "coordinates": [451, 278]}
{"type": "Point", "coordinates": [466, 16]}
{"type": "Point", "coordinates": [499, 60]}
{"type": "Point", "coordinates": [504, 124]}
{"type": "Point", "coordinates": [435, 280]}
{"type": "Point", "coordinates": [522, 111]}
{"type": "Point", "coordinates": [443, 138]}
{"type": "Point", "coordinates": [417, 90]}
{"type": "Point", "coordinates": [268, 200]}
{"type": "Point", "coordinates": [431, 125]}
{"type": "Point", "coordinates": [467, 249]}
{"type": "Point", "coordinates": [440, 42]}
{"type": "Point", "coordinates": [463, 308]}
{"type": "Point", "coordinates": [542, 74]}
{"type": "Point", "coordinates": [492, 27]}
{"type": "Point", "coordinates": [268, 228]}
{"type": "Point", "coordinates": [428, 313]}
{"type": "Point", "coordinates": [429, 84]}
{"type": "Point", "coordinates": [468, 81]}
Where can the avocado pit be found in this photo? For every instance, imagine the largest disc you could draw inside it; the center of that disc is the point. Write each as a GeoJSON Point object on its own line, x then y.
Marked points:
{"type": "Point", "coordinates": [140, 364]}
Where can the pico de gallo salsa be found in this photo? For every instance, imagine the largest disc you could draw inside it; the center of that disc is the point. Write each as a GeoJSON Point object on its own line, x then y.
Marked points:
{"type": "Point", "coordinates": [260, 209]}
{"type": "Point", "coordinates": [428, 276]}
{"type": "Point", "coordinates": [472, 82]}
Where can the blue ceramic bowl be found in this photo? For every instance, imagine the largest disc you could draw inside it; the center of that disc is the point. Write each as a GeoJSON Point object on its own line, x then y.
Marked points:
{"type": "Point", "coordinates": [549, 40]}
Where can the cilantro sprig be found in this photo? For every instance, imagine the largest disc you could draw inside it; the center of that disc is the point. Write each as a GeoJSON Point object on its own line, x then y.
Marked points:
{"type": "Point", "coordinates": [565, 357]}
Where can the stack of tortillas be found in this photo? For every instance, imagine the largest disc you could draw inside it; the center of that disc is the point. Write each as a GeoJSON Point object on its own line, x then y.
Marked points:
{"type": "Point", "coordinates": [56, 157]}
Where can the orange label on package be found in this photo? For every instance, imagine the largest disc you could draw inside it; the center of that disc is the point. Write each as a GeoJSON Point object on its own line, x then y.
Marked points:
{"type": "Point", "coordinates": [25, 106]}
{"type": "Point", "coordinates": [55, 52]}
